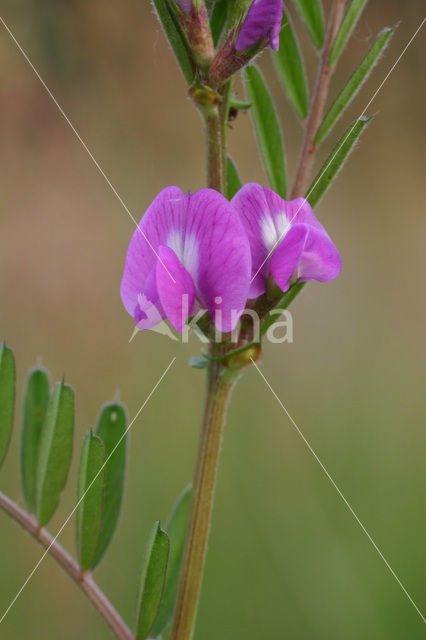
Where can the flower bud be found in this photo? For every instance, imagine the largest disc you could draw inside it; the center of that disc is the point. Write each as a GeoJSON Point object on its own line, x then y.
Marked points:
{"type": "Point", "coordinates": [263, 21]}
{"type": "Point", "coordinates": [260, 29]}
{"type": "Point", "coordinates": [194, 21]}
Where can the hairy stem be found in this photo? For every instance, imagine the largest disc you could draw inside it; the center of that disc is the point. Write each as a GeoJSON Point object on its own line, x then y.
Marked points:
{"type": "Point", "coordinates": [216, 178]}
{"type": "Point", "coordinates": [83, 579]}
{"type": "Point", "coordinates": [319, 98]}
{"type": "Point", "coordinates": [219, 387]}
{"type": "Point", "coordinates": [225, 93]}
{"type": "Point", "coordinates": [215, 115]}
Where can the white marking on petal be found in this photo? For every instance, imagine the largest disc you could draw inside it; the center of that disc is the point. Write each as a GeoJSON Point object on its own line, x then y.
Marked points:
{"type": "Point", "coordinates": [150, 310]}
{"type": "Point", "coordinates": [186, 249]}
{"type": "Point", "coordinates": [274, 228]}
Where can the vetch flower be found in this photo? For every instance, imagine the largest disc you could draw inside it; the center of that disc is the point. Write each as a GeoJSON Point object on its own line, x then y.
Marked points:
{"type": "Point", "coordinates": [190, 252]}
{"type": "Point", "coordinates": [263, 20]}
{"type": "Point", "coordinates": [286, 240]}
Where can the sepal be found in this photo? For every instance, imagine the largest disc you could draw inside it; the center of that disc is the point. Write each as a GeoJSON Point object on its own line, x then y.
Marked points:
{"type": "Point", "coordinates": [194, 22]}
{"type": "Point", "coordinates": [229, 60]}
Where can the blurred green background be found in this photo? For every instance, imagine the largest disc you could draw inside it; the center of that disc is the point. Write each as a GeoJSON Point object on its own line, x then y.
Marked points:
{"type": "Point", "coordinates": [286, 559]}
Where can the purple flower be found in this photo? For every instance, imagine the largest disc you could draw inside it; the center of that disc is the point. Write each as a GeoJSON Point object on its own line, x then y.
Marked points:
{"type": "Point", "coordinates": [286, 240]}
{"type": "Point", "coordinates": [263, 20]}
{"type": "Point", "coordinates": [189, 252]}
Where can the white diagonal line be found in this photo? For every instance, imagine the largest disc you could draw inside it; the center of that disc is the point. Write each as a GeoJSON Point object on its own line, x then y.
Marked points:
{"type": "Point", "coordinates": [84, 145]}
{"type": "Point", "coordinates": [82, 497]}
{"type": "Point", "coordinates": [340, 494]}
{"type": "Point", "coordinates": [304, 200]}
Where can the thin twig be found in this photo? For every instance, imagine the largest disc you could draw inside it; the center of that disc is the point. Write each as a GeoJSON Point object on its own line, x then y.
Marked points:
{"type": "Point", "coordinates": [318, 102]}
{"type": "Point", "coordinates": [83, 579]}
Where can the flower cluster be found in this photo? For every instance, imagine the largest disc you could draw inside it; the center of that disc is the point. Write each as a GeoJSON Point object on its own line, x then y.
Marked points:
{"type": "Point", "coordinates": [247, 30]}
{"type": "Point", "coordinates": [199, 251]}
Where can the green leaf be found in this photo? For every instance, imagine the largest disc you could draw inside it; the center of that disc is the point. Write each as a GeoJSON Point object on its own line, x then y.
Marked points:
{"type": "Point", "coordinates": [218, 19]}
{"type": "Point", "coordinates": [175, 37]}
{"type": "Point", "coordinates": [335, 161]}
{"type": "Point", "coordinates": [7, 397]}
{"type": "Point", "coordinates": [90, 489]}
{"type": "Point", "coordinates": [36, 399]}
{"type": "Point", "coordinates": [233, 180]}
{"type": "Point", "coordinates": [176, 530]}
{"type": "Point", "coordinates": [267, 127]}
{"type": "Point", "coordinates": [55, 452]}
{"type": "Point", "coordinates": [313, 17]}
{"type": "Point", "coordinates": [288, 61]}
{"type": "Point", "coordinates": [353, 85]}
{"type": "Point", "coordinates": [348, 24]}
{"type": "Point", "coordinates": [152, 581]}
{"type": "Point", "coordinates": [111, 428]}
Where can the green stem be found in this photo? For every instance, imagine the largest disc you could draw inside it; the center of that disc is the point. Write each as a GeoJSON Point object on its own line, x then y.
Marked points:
{"type": "Point", "coordinates": [225, 93]}
{"type": "Point", "coordinates": [220, 381]}
{"type": "Point", "coordinates": [216, 178]}
{"type": "Point", "coordinates": [219, 387]}
{"type": "Point", "coordinates": [215, 116]}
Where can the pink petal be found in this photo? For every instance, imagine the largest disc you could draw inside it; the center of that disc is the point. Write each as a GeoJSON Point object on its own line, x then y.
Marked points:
{"type": "Point", "coordinates": [320, 259]}
{"type": "Point", "coordinates": [286, 257]}
{"type": "Point", "coordinates": [148, 311]}
{"type": "Point", "coordinates": [263, 20]}
{"type": "Point", "coordinates": [223, 270]}
{"type": "Point", "coordinates": [269, 221]}
{"type": "Point", "coordinates": [177, 296]}
{"type": "Point", "coordinates": [252, 206]}
{"type": "Point", "coordinates": [165, 212]}
{"type": "Point", "coordinates": [305, 254]}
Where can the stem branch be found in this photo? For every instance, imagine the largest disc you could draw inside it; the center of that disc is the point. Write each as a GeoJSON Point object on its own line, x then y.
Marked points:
{"type": "Point", "coordinates": [319, 99]}
{"type": "Point", "coordinates": [83, 579]}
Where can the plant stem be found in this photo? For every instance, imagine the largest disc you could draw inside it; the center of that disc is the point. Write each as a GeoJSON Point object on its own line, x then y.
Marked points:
{"type": "Point", "coordinates": [319, 98]}
{"type": "Point", "coordinates": [219, 387]}
{"type": "Point", "coordinates": [215, 168]}
{"type": "Point", "coordinates": [220, 382]}
{"type": "Point", "coordinates": [225, 93]}
{"type": "Point", "coordinates": [215, 127]}
{"type": "Point", "coordinates": [83, 579]}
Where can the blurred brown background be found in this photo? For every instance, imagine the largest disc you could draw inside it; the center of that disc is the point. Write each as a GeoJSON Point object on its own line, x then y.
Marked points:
{"type": "Point", "coordinates": [286, 560]}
